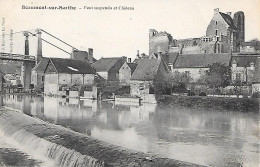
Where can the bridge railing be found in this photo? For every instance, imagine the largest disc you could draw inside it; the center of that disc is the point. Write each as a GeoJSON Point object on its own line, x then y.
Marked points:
{"type": "Point", "coordinates": [17, 56]}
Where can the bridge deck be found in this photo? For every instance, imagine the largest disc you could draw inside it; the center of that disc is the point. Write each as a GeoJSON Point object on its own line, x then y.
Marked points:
{"type": "Point", "coordinates": [16, 57]}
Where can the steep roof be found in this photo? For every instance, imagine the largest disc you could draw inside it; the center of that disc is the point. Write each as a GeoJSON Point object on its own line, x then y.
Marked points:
{"type": "Point", "coordinates": [256, 78]}
{"type": "Point", "coordinates": [41, 66]}
{"type": "Point", "coordinates": [228, 20]}
{"type": "Point", "coordinates": [244, 60]}
{"type": "Point", "coordinates": [146, 70]}
{"type": "Point", "coordinates": [201, 60]}
{"type": "Point", "coordinates": [132, 66]}
{"type": "Point", "coordinates": [105, 64]}
{"type": "Point", "coordinates": [118, 64]}
{"type": "Point", "coordinates": [71, 66]}
{"type": "Point", "coordinates": [168, 57]}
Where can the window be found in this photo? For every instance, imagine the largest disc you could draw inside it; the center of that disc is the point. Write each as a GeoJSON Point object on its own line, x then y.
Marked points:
{"type": "Point", "coordinates": [141, 86]}
{"type": "Point", "coordinates": [216, 22]}
{"type": "Point", "coordinates": [216, 32]}
{"type": "Point", "coordinates": [42, 78]}
{"type": "Point", "coordinates": [187, 73]}
{"type": "Point", "coordinates": [217, 38]}
{"type": "Point", "coordinates": [238, 76]}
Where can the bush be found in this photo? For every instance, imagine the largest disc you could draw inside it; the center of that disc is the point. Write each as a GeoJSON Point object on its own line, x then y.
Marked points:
{"type": "Point", "coordinates": [202, 94]}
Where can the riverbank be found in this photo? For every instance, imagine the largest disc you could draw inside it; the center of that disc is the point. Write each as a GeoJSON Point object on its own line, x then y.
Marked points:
{"type": "Point", "coordinates": [69, 148]}
{"type": "Point", "coordinates": [215, 103]}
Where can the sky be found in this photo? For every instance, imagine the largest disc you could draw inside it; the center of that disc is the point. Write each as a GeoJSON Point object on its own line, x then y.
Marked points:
{"type": "Point", "coordinates": [114, 33]}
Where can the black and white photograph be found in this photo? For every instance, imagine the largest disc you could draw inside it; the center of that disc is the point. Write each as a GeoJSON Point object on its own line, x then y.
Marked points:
{"type": "Point", "coordinates": [130, 83]}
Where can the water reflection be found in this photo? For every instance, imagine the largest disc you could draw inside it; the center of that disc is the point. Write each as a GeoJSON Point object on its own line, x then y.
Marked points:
{"type": "Point", "coordinates": [204, 137]}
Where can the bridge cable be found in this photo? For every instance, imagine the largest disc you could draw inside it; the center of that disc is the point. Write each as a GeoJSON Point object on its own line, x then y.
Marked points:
{"type": "Point", "coordinates": [56, 46]}
{"type": "Point", "coordinates": [58, 39]}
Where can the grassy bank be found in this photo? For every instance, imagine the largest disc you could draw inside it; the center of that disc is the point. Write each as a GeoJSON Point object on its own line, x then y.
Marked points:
{"type": "Point", "coordinates": [217, 103]}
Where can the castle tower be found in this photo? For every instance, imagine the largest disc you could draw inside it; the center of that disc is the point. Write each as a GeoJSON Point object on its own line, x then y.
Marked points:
{"type": "Point", "coordinates": [152, 33]}
{"type": "Point", "coordinates": [239, 21]}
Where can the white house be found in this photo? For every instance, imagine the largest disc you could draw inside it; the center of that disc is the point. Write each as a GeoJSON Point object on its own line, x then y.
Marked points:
{"type": "Point", "coordinates": [66, 72]}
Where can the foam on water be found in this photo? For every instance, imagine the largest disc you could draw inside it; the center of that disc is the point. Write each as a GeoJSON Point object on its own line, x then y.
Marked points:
{"type": "Point", "coordinates": [52, 154]}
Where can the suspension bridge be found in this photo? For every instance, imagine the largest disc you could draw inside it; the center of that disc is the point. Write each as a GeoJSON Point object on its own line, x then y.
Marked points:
{"type": "Point", "coordinates": [29, 61]}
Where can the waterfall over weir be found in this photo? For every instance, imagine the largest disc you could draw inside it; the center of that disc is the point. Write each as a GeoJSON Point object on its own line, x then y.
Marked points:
{"type": "Point", "coordinates": [61, 156]}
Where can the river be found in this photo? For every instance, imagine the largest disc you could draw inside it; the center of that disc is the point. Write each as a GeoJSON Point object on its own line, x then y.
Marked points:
{"type": "Point", "coordinates": [205, 137]}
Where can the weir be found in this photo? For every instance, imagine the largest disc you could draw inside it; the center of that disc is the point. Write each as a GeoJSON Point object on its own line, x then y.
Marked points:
{"type": "Point", "coordinates": [62, 156]}
{"type": "Point", "coordinates": [71, 149]}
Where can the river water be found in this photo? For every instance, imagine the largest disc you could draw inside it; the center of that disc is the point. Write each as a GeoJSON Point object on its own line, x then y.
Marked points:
{"type": "Point", "coordinates": [205, 137]}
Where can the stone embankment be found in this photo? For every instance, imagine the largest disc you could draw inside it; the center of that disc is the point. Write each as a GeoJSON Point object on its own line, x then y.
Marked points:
{"type": "Point", "coordinates": [69, 148]}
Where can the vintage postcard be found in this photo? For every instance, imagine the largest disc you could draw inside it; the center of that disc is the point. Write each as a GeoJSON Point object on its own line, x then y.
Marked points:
{"type": "Point", "coordinates": [92, 83]}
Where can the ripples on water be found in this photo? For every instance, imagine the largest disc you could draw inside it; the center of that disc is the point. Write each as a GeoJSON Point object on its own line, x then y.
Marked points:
{"type": "Point", "coordinates": [203, 137]}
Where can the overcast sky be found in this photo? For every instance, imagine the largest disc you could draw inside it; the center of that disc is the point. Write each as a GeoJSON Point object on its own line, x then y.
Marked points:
{"type": "Point", "coordinates": [118, 32]}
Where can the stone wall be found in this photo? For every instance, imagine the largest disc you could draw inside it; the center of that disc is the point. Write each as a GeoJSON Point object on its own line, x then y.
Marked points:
{"type": "Point", "coordinates": [139, 88]}
{"type": "Point", "coordinates": [124, 75]}
{"type": "Point", "coordinates": [159, 41]}
{"type": "Point", "coordinates": [51, 84]}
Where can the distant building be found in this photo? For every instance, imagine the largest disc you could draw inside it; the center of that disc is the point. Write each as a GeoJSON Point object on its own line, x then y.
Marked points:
{"type": "Point", "coordinates": [256, 78]}
{"type": "Point", "coordinates": [1, 81]}
{"type": "Point", "coordinates": [67, 72]}
{"type": "Point", "coordinates": [83, 55]}
{"type": "Point", "coordinates": [37, 76]}
{"type": "Point", "coordinates": [224, 34]}
{"type": "Point", "coordinates": [147, 70]}
{"type": "Point", "coordinates": [114, 70]}
{"type": "Point", "coordinates": [250, 47]}
{"type": "Point", "coordinates": [194, 66]}
{"type": "Point", "coordinates": [243, 67]}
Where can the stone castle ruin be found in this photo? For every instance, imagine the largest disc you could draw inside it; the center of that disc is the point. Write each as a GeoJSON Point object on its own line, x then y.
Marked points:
{"type": "Point", "coordinates": [224, 34]}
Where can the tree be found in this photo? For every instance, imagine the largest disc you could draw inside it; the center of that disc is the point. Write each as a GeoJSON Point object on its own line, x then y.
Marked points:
{"type": "Point", "coordinates": [178, 81]}
{"type": "Point", "coordinates": [217, 76]}
{"type": "Point", "coordinates": [238, 87]}
{"type": "Point", "coordinates": [256, 43]}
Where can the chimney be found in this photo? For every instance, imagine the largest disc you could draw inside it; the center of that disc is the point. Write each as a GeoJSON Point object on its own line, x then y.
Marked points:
{"type": "Point", "coordinates": [229, 13]}
{"type": "Point", "coordinates": [26, 47]}
{"type": "Point", "coordinates": [90, 55]}
{"type": "Point", "coordinates": [129, 60]}
{"type": "Point", "coordinates": [124, 58]}
{"type": "Point", "coordinates": [138, 56]}
{"type": "Point", "coordinates": [216, 10]}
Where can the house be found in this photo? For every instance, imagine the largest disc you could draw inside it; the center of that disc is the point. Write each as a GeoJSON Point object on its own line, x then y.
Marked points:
{"type": "Point", "coordinates": [194, 66]}
{"type": "Point", "coordinates": [37, 73]}
{"type": "Point", "coordinates": [147, 70]}
{"type": "Point", "coordinates": [60, 73]}
{"type": "Point", "coordinates": [168, 58]}
{"type": "Point", "coordinates": [114, 70]}
{"type": "Point", "coordinates": [256, 78]}
{"type": "Point", "coordinates": [243, 67]}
